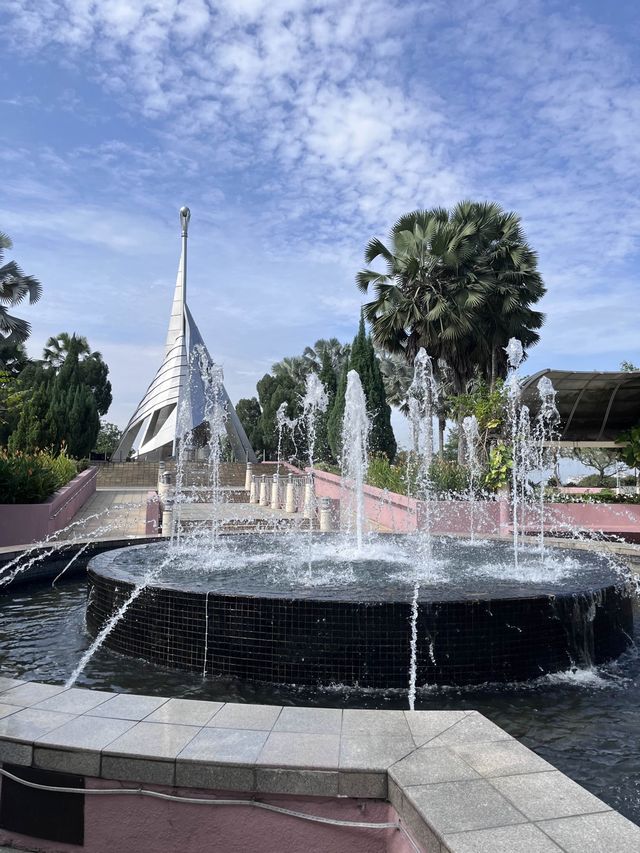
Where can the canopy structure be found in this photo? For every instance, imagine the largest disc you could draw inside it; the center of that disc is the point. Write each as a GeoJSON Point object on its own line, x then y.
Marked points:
{"type": "Point", "coordinates": [595, 407]}
{"type": "Point", "coordinates": [155, 418]}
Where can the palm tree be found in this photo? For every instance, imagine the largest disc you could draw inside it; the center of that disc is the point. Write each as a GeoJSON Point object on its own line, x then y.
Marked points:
{"type": "Point", "coordinates": [397, 375]}
{"type": "Point", "coordinates": [57, 348]}
{"type": "Point", "coordinates": [458, 283]}
{"type": "Point", "coordinates": [15, 286]}
{"type": "Point", "coordinates": [338, 353]}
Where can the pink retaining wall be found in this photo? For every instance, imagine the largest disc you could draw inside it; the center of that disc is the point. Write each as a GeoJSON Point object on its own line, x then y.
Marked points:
{"type": "Point", "coordinates": [22, 524]}
{"type": "Point", "coordinates": [115, 824]}
{"type": "Point", "coordinates": [153, 513]}
{"type": "Point", "coordinates": [400, 514]}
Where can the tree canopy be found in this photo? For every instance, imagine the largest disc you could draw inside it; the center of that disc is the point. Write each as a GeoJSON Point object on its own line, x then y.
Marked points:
{"type": "Point", "coordinates": [15, 287]}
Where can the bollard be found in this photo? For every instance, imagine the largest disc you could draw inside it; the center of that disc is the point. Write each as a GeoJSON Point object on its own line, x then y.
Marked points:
{"type": "Point", "coordinates": [167, 518]}
{"type": "Point", "coordinates": [290, 501]}
{"type": "Point", "coordinates": [161, 467]}
{"type": "Point", "coordinates": [248, 476]}
{"type": "Point", "coordinates": [275, 503]}
{"type": "Point", "coordinates": [308, 499]}
{"type": "Point", "coordinates": [253, 492]}
{"type": "Point", "coordinates": [263, 491]}
{"type": "Point", "coordinates": [165, 487]}
{"type": "Point", "coordinates": [326, 515]}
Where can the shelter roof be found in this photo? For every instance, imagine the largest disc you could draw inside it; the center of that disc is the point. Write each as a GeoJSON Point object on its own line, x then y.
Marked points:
{"type": "Point", "coordinates": [594, 406]}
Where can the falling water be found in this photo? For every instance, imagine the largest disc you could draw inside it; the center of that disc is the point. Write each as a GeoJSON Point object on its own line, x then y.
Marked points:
{"type": "Point", "coordinates": [546, 429]}
{"type": "Point", "coordinates": [355, 460]}
{"type": "Point", "coordinates": [422, 397]}
{"type": "Point", "coordinates": [515, 354]}
{"type": "Point", "coordinates": [472, 440]}
{"type": "Point", "coordinates": [314, 402]}
{"type": "Point", "coordinates": [215, 414]}
{"type": "Point", "coordinates": [283, 421]}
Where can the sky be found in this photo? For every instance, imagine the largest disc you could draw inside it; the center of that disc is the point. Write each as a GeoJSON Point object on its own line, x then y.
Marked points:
{"type": "Point", "coordinates": [296, 131]}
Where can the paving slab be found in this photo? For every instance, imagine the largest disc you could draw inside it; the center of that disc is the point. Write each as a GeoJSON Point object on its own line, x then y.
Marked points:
{"type": "Point", "coordinates": [236, 746]}
{"type": "Point", "coordinates": [86, 733]}
{"type": "Point", "coordinates": [153, 740]}
{"type": "Point", "coordinates": [365, 722]}
{"type": "Point", "coordinates": [186, 712]}
{"type": "Point", "coordinates": [425, 725]}
{"type": "Point", "coordinates": [259, 717]}
{"type": "Point", "coordinates": [7, 710]}
{"type": "Point", "coordinates": [76, 700]}
{"type": "Point", "coordinates": [128, 706]}
{"type": "Point", "coordinates": [320, 720]}
{"type": "Point", "coordinates": [30, 723]}
{"type": "Point", "coordinates": [501, 758]}
{"type": "Point", "coordinates": [425, 766]}
{"type": "Point", "coordinates": [9, 684]}
{"type": "Point", "coordinates": [473, 728]}
{"type": "Point", "coordinates": [548, 795]}
{"type": "Point", "coordinates": [457, 806]}
{"type": "Point", "coordinates": [523, 838]}
{"type": "Point", "coordinates": [30, 693]}
{"type": "Point", "coordinates": [301, 749]}
{"type": "Point", "coordinates": [366, 752]}
{"type": "Point", "coordinates": [608, 832]}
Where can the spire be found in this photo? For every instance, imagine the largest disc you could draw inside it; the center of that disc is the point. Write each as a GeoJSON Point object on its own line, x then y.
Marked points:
{"type": "Point", "coordinates": [156, 415]}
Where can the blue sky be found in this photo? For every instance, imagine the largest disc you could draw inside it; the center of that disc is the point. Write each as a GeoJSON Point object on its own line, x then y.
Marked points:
{"type": "Point", "coordinates": [295, 131]}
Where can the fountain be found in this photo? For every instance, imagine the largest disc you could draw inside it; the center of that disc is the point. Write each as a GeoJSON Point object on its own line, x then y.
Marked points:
{"type": "Point", "coordinates": [358, 608]}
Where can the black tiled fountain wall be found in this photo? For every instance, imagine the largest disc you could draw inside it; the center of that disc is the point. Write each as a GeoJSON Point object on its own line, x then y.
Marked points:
{"type": "Point", "coordinates": [305, 642]}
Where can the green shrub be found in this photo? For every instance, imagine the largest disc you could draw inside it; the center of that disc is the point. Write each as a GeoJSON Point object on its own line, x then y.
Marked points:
{"type": "Point", "coordinates": [29, 478]}
{"type": "Point", "coordinates": [448, 478]}
{"type": "Point", "coordinates": [383, 475]}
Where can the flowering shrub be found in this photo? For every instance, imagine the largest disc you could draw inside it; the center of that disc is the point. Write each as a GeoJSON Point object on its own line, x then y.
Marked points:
{"type": "Point", "coordinates": [29, 478]}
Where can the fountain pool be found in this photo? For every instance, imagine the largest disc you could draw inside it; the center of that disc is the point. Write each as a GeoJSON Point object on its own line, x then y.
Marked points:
{"type": "Point", "coordinates": [316, 610]}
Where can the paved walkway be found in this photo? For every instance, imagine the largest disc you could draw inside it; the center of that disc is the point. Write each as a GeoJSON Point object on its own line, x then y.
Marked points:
{"type": "Point", "coordinates": [113, 514]}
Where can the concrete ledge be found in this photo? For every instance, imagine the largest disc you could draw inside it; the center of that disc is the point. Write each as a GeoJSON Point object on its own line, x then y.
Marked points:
{"type": "Point", "coordinates": [459, 783]}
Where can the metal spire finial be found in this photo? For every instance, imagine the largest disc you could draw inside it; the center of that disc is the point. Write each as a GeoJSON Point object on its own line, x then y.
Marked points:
{"type": "Point", "coordinates": [185, 216]}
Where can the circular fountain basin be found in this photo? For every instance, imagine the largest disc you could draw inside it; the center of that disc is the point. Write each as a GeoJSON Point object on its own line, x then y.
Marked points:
{"type": "Point", "coordinates": [311, 610]}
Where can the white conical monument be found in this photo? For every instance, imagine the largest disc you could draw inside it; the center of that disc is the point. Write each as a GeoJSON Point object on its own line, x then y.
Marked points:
{"type": "Point", "coordinates": [155, 418]}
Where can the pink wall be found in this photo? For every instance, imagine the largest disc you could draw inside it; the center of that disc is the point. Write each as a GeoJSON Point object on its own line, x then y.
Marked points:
{"type": "Point", "coordinates": [153, 514]}
{"type": "Point", "coordinates": [145, 825]}
{"type": "Point", "coordinates": [21, 524]}
{"type": "Point", "coordinates": [492, 518]}
{"type": "Point", "coordinates": [400, 514]}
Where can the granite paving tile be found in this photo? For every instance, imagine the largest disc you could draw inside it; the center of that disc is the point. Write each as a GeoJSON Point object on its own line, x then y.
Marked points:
{"type": "Point", "coordinates": [320, 720]}
{"type": "Point", "coordinates": [9, 683]}
{"type": "Point", "coordinates": [30, 723]}
{"type": "Point", "coordinates": [30, 693]}
{"type": "Point", "coordinates": [457, 806]}
{"type": "Point", "coordinates": [75, 700]}
{"type": "Point", "coordinates": [149, 771]}
{"type": "Point", "coordinates": [608, 832]}
{"type": "Point", "coordinates": [186, 712]}
{"type": "Point", "coordinates": [365, 752]}
{"type": "Point", "coordinates": [426, 766]}
{"type": "Point", "coordinates": [86, 733]}
{"type": "Point", "coordinates": [501, 758]}
{"type": "Point", "coordinates": [128, 706]}
{"type": "Point", "coordinates": [524, 838]}
{"type": "Point", "coordinates": [547, 795]}
{"type": "Point", "coordinates": [425, 725]}
{"type": "Point", "coordinates": [367, 722]}
{"type": "Point", "coordinates": [83, 762]}
{"type": "Point", "coordinates": [473, 728]}
{"type": "Point", "coordinates": [237, 716]}
{"type": "Point", "coordinates": [236, 746]}
{"type": "Point", "coordinates": [153, 740]}
{"type": "Point", "coordinates": [301, 749]}
{"type": "Point", "coordinates": [6, 710]}
{"type": "Point", "coordinates": [226, 777]}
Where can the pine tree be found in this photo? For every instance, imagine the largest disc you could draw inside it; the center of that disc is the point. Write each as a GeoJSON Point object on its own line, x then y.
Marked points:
{"type": "Point", "coordinates": [329, 379]}
{"type": "Point", "coordinates": [363, 360]}
{"type": "Point", "coordinates": [336, 413]}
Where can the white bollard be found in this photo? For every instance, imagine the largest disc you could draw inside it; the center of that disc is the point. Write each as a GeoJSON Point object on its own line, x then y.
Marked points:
{"type": "Point", "coordinates": [308, 499]}
{"type": "Point", "coordinates": [248, 476]}
{"type": "Point", "coordinates": [253, 491]}
{"type": "Point", "coordinates": [275, 502]}
{"type": "Point", "coordinates": [167, 518]}
{"type": "Point", "coordinates": [290, 501]}
{"type": "Point", "coordinates": [326, 519]}
{"type": "Point", "coordinates": [165, 488]}
{"type": "Point", "coordinates": [161, 467]}
{"type": "Point", "coordinates": [263, 491]}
